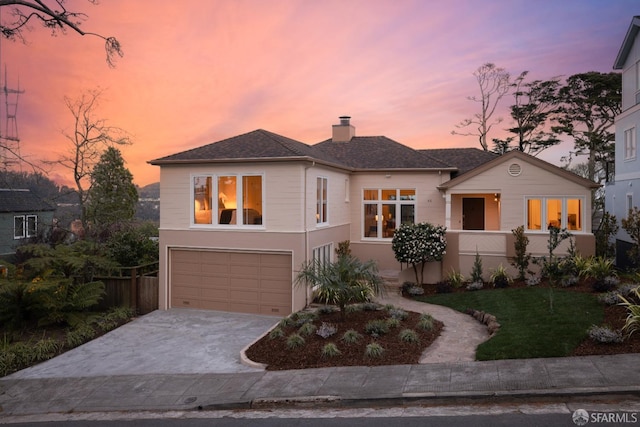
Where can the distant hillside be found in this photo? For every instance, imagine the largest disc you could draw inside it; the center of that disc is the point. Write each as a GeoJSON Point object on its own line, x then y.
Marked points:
{"type": "Point", "coordinates": [151, 191]}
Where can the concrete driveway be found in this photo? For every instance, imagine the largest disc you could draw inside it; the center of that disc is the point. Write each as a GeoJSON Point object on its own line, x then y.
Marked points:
{"type": "Point", "coordinates": [175, 341]}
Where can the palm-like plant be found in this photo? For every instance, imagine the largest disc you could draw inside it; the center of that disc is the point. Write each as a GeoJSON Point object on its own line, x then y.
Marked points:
{"type": "Point", "coordinates": [633, 317]}
{"type": "Point", "coordinates": [344, 281]}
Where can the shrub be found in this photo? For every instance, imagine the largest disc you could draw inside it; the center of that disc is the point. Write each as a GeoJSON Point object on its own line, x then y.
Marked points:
{"type": "Point", "coordinates": [16, 303]}
{"type": "Point", "coordinates": [276, 333]}
{"type": "Point", "coordinates": [569, 281]}
{"type": "Point", "coordinates": [522, 258]}
{"type": "Point", "coordinates": [425, 322]}
{"type": "Point", "coordinates": [398, 313]}
{"type": "Point", "coordinates": [392, 322]}
{"type": "Point", "coordinates": [371, 306]}
{"type": "Point", "coordinates": [631, 224]}
{"type": "Point", "coordinates": [286, 322]}
{"type": "Point", "coordinates": [409, 335]}
{"type": "Point", "coordinates": [416, 244]}
{"type": "Point", "coordinates": [374, 350]}
{"type": "Point", "coordinates": [533, 280]}
{"type": "Point", "coordinates": [443, 288]}
{"type": "Point", "coordinates": [376, 327]}
{"type": "Point", "coordinates": [600, 267]}
{"type": "Point", "coordinates": [330, 350]}
{"type": "Point", "coordinates": [351, 337]}
{"type": "Point", "coordinates": [79, 336]}
{"type": "Point", "coordinates": [605, 335]}
{"type": "Point", "coordinates": [475, 286]}
{"type": "Point", "coordinates": [476, 271]}
{"type": "Point", "coordinates": [326, 330]}
{"type": "Point", "coordinates": [295, 341]}
{"type": "Point", "coordinates": [415, 290]}
{"type": "Point", "coordinates": [302, 317]}
{"type": "Point", "coordinates": [606, 284]}
{"type": "Point", "coordinates": [455, 278]}
{"type": "Point", "coordinates": [343, 282]}
{"type": "Point", "coordinates": [327, 309]}
{"type": "Point", "coordinates": [632, 323]}
{"type": "Point", "coordinates": [604, 236]}
{"type": "Point", "coordinates": [307, 329]}
{"type": "Point", "coordinates": [500, 277]}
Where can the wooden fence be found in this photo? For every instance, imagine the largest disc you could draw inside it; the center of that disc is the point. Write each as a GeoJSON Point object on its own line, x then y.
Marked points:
{"type": "Point", "coordinates": [135, 287]}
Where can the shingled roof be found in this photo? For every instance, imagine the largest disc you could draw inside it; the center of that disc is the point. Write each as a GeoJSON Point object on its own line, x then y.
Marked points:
{"type": "Point", "coordinates": [379, 152]}
{"type": "Point", "coordinates": [464, 159]}
{"type": "Point", "coordinates": [255, 145]}
{"type": "Point", "coordinates": [22, 201]}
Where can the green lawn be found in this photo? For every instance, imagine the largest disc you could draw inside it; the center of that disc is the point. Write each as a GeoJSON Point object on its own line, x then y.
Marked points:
{"type": "Point", "coordinates": [528, 326]}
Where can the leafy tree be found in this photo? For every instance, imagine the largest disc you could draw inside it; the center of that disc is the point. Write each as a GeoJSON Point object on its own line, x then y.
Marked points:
{"type": "Point", "coordinates": [53, 15]}
{"type": "Point", "coordinates": [494, 83]}
{"type": "Point", "coordinates": [417, 244]}
{"type": "Point", "coordinates": [90, 136]}
{"type": "Point", "coordinates": [590, 103]}
{"type": "Point", "coordinates": [535, 103]}
{"type": "Point", "coordinates": [522, 258]}
{"type": "Point", "coordinates": [133, 246]}
{"type": "Point", "coordinates": [112, 196]}
{"type": "Point", "coordinates": [631, 224]}
{"type": "Point", "coordinates": [607, 228]}
{"type": "Point", "coordinates": [344, 281]}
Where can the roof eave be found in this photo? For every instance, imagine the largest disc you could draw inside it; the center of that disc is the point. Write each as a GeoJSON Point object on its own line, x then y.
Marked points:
{"type": "Point", "coordinates": [625, 48]}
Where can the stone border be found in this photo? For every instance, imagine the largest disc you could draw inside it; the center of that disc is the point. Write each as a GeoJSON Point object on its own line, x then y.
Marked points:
{"type": "Point", "coordinates": [489, 320]}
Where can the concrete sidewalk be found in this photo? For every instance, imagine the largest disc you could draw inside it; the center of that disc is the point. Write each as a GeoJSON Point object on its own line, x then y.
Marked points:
{"type": "Point", "coordinates": [340, 387]}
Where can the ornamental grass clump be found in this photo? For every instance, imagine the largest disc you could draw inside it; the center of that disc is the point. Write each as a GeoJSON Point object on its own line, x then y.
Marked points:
{"type": "Point", "coordinates": [632, 324]}
{"type": "Point", "coordinates": [351, 336]}
{"type": "Point", "coordinates": [295, 341]}
{"type": "Point", "coordinates": [330, 350]}
{"type": "Point", "coordinates": [409, 335]}
{"type": "Point", "coordinates": [307, 329]}
{"type": "Point", "coordinates": [425, 322]}
{"type": "Point", "coordinates": [276, 333]}
{"type": "Point", "coordinates": [374, 350]}
{"type": "Point", "coordinates": [376, 327]}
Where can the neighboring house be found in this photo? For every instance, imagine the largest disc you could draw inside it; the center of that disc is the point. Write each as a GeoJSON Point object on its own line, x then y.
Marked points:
{"type": "Point", "coordinates": [23, 215]}
{"type": "Point", "coordinates": [623, 194]}
{"type": "Point", "coordinates": [239, 217]}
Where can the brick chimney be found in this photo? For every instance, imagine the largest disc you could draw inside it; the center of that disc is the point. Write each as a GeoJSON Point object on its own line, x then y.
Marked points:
{"type": "Point", "coordinates": [344, 131]}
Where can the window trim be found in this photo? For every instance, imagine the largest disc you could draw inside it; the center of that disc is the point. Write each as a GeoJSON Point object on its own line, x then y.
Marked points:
{"type": "Point", "coordinates": [379, 202]}
{"type": "Point", "coordinates": [544, 228]}
{"type": "Point", "coordinates": [214, 200]}
{"type": "Point", "coordinates": [22, 227]}
{"type": "Point", "coordinates": [630, 144]}
{"type": "Point", "coordinates": [322, 215]}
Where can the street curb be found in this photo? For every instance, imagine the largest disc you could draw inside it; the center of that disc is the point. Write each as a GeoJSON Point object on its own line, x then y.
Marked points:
{"type": "Point", "coordinates": [428, 399]}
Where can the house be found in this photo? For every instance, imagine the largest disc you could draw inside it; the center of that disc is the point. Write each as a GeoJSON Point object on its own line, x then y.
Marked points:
{"type": "Point", "coordinates": [240, 216]}
{"type": "Point", "coordinates": [623, 194]}
{"type": "Point", "coordinates": [23, 215]}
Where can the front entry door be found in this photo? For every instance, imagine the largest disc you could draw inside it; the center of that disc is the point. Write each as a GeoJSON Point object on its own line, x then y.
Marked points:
{"type": "Point", "coordinates": [473, 213]}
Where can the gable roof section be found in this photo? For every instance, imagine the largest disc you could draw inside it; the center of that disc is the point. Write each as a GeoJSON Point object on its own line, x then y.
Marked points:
{"type": "Point", "coordinates": [519, 155]}
{"type": "Point", "coordinates": [379, 152]}
{"type": "Point", "coordinates": [22, 201]}
{"type": "Point", "coordinates": [464, 159]}
{"type": "Point", "coordinates": [256, 145]}
{"type": "Point", "coordinates": [627, 44]}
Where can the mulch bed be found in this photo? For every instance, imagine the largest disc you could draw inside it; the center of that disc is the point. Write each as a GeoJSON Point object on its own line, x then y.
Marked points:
{"type": "Point", "coordinates": [277, 356]}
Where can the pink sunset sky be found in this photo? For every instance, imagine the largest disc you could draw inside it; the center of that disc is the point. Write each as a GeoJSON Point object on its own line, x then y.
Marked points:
{"type": "Point", "coordinates": [195, 72]}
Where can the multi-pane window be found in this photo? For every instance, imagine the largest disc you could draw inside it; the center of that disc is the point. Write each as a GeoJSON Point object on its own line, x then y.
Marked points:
{"type": "Point", "coordinates": [630, 147]}
{"type": "Point", "coordinates": [25, 226]}
{"type": "Point", "coordinates": [321, 200]}
{"type": "Point", "coordinates": [386, 209]}
{"type": "Point", "coordinates": [238, 201]}
{"type": "Point", "coordinates": [560, 212]}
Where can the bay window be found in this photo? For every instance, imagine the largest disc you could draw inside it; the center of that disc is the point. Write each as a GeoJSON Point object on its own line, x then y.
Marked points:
{"type": "Point", "coordinates": [543, 213]}
{"type": "Point", "coordinates": [238, 201]}
{"type": "Point", "coordinates": [386, 209]}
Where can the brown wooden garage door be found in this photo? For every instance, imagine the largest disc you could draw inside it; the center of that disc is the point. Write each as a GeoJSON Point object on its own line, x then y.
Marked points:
{"type": "Point", "coordinates": [231, 281]}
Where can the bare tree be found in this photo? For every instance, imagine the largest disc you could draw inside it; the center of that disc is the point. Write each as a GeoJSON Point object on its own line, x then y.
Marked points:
{"type": "Point", "coordinates": [89, 137]}
{"type": "Point", "coordinates": [53, 15]}
{"type": "Point", "coordinates": [494, 84]}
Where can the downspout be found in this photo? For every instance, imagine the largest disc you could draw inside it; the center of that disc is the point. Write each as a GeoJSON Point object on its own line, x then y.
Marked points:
{"type": "Point", "coordinates": [306, 230]}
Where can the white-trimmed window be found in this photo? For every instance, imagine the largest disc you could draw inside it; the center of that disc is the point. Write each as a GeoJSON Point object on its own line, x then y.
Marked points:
{"type": "Point", "coordinates": [25, 226]}
{"type": "Point", "coordinates": [322, 254]}
{"type": "Point", "coordinates": [554, 211]}
{"type": "Point", "coordinates": [630, 146]}
{"type": "Point", "coordinates": [321, 200]}
{"type": "Point", "coordinates": [386, 209]}
{"type": "Point", "coordinates": [238, 202]}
